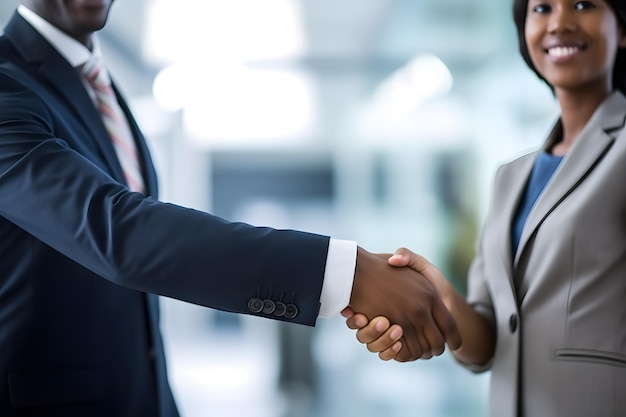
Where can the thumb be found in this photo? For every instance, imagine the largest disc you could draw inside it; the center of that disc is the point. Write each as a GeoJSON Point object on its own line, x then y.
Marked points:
{"type": "Point", "coordinates": [404, 257]}
{"type": "Point", "coordinates": [401, 257]}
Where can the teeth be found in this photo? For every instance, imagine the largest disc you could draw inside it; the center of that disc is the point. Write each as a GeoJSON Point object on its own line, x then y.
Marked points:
{"type": "Point", "coordinates": [561, 51]}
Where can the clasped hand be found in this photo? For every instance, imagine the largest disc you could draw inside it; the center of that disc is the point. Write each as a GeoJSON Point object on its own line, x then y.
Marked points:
{"type": "Point", "coordinates": [394, 290]}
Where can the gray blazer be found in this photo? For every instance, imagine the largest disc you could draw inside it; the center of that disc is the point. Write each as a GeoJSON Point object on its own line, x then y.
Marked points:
{"type": "Point", "coordinates": [559, 303]}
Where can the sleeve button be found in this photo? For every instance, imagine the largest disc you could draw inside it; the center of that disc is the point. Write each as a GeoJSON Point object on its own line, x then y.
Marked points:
{"type": "Point", "coordinates": [268, 306]}
{"type": "Point", "coordinates": [291, 311]}
{"type": "Point", "coordinates": [255, 305]}
{"type": "Point", "coordinates": [281, 308]}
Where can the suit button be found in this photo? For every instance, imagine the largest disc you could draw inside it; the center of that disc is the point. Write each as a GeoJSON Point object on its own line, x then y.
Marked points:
{"type": "Point", "coordinates": [291, 311]}
{"type": "Point", "coordinates": [513, 323]}
{"type": "Point", "coordinates": [281, 308]}
{"type": "Point", "coordinates": [268, 306]}
{"type": "Point", "coordinates": [255, 305]}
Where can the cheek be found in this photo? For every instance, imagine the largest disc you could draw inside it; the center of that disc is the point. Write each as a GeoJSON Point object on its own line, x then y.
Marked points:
{"type": "Point", "coordinates": [609, 48]}
{"type": "Point", "coordinates": [533, 43]}
{"type": "Point", "coordinates": [612, 33]}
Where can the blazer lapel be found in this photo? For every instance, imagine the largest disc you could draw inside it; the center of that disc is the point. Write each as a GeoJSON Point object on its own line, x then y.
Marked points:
{"type": "Point", "coordinates": [509, 191]}
{"type": "Point", "coordinates": [595, 140]}
{"type": "Point", "coordinates": [46, 64]}
{"type": "Point", "coordinates": [143, 153]}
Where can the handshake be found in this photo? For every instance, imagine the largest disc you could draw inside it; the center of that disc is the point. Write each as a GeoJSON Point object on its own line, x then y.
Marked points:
{"type": "Point", "coordinates": [405, 290]}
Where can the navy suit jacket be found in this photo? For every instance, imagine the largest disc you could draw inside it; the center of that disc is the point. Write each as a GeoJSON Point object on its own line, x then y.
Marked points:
{"type": "Point", "coordinates": [82, 257]}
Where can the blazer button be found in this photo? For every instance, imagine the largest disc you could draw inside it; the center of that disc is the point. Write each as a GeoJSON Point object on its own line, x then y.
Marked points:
{"type": "Point", "coordinates": [291, 311]}
{"type": "Point", "coordinates": [513, 323]}
{"type": "Point", "coordinates": [255, 305]}
{"type": "Point", "coordinates": [281, 308]}
{"type": "Point", "coordinates": [268, 306]}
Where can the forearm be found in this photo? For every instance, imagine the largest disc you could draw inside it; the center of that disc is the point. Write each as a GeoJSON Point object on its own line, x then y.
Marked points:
{"type": "Point", "coordinates": [476, 332]}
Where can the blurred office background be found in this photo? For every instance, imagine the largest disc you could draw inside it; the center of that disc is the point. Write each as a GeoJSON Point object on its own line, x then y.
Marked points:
{"type": "Point", "coordinates": [380, 121]}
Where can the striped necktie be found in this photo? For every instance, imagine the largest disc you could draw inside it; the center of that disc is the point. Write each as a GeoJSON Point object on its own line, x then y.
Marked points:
{"type": "Point", "coordinates": [115, 122]}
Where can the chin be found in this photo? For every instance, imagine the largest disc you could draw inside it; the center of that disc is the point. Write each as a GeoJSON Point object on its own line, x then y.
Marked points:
{"type": "Point", "coordinates": [93, 22]}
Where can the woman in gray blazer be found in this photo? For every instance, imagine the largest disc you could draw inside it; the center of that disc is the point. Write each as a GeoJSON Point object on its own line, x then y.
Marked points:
{"type": "Point", "coordinates": [546, 304]}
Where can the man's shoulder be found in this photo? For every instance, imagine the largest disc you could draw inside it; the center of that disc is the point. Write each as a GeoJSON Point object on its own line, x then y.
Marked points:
{"type": "Point", "coordinates": [16, 83]}
{"type": "Point", "coordinates": [12, 73]}
{"type": "Point", "coordinates": [10, 60]}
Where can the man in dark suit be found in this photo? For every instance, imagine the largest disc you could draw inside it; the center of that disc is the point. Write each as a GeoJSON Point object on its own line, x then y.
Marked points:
{"type": "Point", "coordinates": [86, 246]}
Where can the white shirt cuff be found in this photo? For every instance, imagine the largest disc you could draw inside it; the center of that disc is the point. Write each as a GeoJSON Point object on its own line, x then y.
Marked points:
{"type": "Point", "coordinates": [338, 277]}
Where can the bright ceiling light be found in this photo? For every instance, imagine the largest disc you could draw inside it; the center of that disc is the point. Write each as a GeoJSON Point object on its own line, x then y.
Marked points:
{"type": "Point", "coordinates": [241, 105]}
{"type": "Point", "coordinates": [223, 30]}
{"type": "Point", "coordinates": [422, 78]}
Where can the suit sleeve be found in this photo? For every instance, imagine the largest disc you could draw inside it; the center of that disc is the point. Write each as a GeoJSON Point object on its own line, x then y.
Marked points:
{"type": "Point", "coordinates": [478, 294]}
{"type": "Point", "coordinates": [61, 198]}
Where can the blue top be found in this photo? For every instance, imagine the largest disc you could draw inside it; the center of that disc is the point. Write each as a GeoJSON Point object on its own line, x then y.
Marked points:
{"type": "Point", "coordinates": [544, 168]}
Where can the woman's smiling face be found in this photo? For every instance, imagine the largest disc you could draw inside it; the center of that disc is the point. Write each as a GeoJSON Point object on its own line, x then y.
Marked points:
{"type": "Point", "coordinates": [572, 43]}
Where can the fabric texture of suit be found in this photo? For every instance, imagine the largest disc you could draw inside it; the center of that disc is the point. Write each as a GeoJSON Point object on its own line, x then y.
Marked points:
{"type": "Point", "coordinates": [79, 253]}
{"type": "Point", "coordinates": [559, 303]}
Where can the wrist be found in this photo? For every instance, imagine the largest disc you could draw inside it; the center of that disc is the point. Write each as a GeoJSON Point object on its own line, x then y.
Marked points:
{"type": "Point", "coordinates": [446, 291]}
{"type": "Point", "coordinates": [362, 259]}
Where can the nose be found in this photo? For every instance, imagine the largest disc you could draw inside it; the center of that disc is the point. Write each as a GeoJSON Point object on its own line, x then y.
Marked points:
{"type": "Point", "coordinates": [561, 20]}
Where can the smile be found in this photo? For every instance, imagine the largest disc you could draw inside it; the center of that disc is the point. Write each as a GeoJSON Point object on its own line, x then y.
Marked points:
{"type": "Point", "coordinates": [563, 51]}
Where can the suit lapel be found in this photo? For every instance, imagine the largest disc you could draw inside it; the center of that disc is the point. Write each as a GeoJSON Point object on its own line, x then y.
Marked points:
{"type": "Point", "coordinates": [595, 140]}
{"type": "Point", "coordinates": [47, 65]}
{"type": "Point", "coordinates": [74, 93]}
{"type": "Point", "coordinates": [508, 192]}
{"type": "Point", "coordinates": [147, 167]}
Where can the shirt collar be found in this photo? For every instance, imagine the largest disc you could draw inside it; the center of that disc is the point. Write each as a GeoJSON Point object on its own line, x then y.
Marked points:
{"type": "Point", "coordinates": [73, 51]}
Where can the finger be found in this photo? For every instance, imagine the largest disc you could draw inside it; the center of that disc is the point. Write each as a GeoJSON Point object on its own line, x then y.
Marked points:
{"type": "Point", "coordinates": [358, 321]}
{"type": "Point", "coordinates": [386, 340]}
{"type": "Point", "coordinates": [433, 334]}
{"type": "Point", "coordinates": [419, 348]}
{"type": "Point", "coordinates": [347, 312]}
{"type": "Point", "coordinates": [374, 330]}
{"type": "Point", "coordinates": [411, 348]}
{"type": "Point", "coordinates": [447, 325]}
{"type": "Point", "coordinates": [409, 352]}
{"type": "Point", "coordinates": [425, 347]}
{"type": "Point", "coordinates": [435, 340]}
{"type": "Point", "coordinates": [389, 354]}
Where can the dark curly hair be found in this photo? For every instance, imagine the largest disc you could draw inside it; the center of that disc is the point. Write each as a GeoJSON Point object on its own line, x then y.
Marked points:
{"type": "Point", "coordinates": [520, 10]}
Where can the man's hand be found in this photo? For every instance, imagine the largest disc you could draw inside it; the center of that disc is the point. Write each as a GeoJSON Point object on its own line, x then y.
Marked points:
{"type": "Point", "coordinates": [405, 298]}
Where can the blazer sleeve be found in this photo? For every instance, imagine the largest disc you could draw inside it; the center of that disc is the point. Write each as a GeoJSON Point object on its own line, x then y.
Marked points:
{"type": "Point", "coordinates": [60, 197]}
{"type": "Point", "coordinates": [478, 294]}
